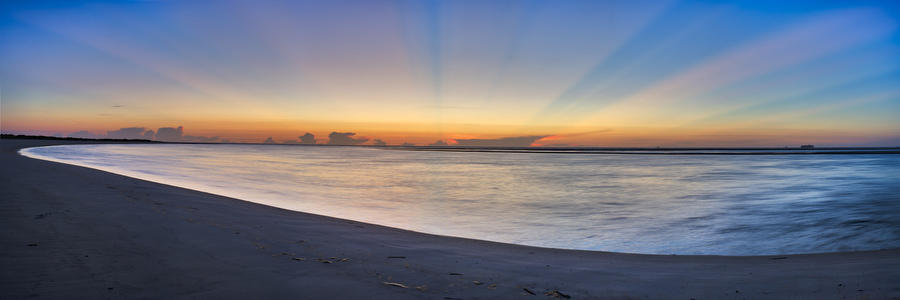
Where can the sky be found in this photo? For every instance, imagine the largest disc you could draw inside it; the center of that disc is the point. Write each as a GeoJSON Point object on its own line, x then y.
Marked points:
{"type": "Point", "coordinates": [540, 73]}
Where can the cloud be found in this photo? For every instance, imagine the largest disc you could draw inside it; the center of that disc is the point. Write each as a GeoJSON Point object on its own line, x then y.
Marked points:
{"type": "Point", "coordinates": [308, 139]}
{"type": "Point", "coordinates": [131, 133]}
{"type": "Point", "coordinates": [439, 143]}
{"type": "Point", "coordinates": [176, 134]}
{"type": "Point", "coordinates": [519, 141]}
{"type": "Point", "coordinates": [84, 134]}
{"type": "Point", "coordinates": [170, 134]}
{"type": "Point", "coordinates": [165, 134]}
{"type": "Point", "coordinates": [269, 141]}
{"type": "Point", "coordinates": [408, 144]}
{"type": "Point", "coordinates": [344, 138]}
{"type": "Point", "coordinates": [378, 142]}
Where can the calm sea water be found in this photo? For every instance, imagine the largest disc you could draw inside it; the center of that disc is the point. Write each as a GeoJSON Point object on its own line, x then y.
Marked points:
{"type": "Point", "coordinates": [661, 204]}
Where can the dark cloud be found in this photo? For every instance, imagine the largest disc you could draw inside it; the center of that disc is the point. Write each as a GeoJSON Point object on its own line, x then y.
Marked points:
{"type": "Point", "coordinates": [519, 141]}
{"type": "Point", "coordinates": [408, 144]}
{"type": "Point", "coordinates": [308, 139]}
{"type": "Point", "coordinates": [344, 138]}
{"type": "Point", "coordinates": [269, 141]}
{"type": "Point", "coordinates": [131, 133]}
{"type": "Point", "coordinates": [378, 142]}
{"type": "Point", "coordinates": [439, 143]}
{"type": "Point", "coordinates": [165, 134]}
{"type": "Point", "coordinates": [176, 134]}
{"type": "Point", "coordinates": [84, 134]}
{"type": "Point", "coordinates": [170, 134]}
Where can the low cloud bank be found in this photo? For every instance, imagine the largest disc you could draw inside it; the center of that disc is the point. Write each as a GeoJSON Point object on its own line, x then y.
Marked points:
{"type": "Point", "coordinates": [308, 139]}
{"type": "Point", "coordinates": [345, 138]}
{"type": "Point", "coordinates": [165, 134]}
{"type": "Point", "coordinates": [131, 133]}
{"type": "Point", "coordinates": [84, 134]}
{"type": "Point", "coordinates": [518, 141]}
{"type": "Point", "coordinates": [176, 134]}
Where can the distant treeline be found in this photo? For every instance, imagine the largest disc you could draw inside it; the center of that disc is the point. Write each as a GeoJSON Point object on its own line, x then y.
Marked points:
{"type": "Point", "coordinates": [43, 137]}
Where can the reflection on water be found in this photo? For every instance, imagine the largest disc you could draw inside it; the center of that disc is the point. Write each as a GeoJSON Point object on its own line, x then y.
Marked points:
{"type": "Point", "coordinates": [663, 204]}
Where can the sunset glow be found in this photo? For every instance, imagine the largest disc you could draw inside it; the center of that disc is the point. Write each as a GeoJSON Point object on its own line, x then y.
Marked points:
{"type": "Point", "coordinates": [591, 73]}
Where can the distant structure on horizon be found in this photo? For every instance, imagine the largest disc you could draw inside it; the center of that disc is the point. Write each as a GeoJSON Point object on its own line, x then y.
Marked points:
{"type": "Point", "coordinates": [807, 147]}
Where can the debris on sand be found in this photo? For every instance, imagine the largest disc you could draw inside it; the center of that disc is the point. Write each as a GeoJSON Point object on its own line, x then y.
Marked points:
{"type": "Point", "coordinates": [397, 284]}
{"type": "Point", "coordinates": [557, 294]}
{"type": "Point", "coordinates": [422, 288]}
{"type": "Point", "coordinates": [32, 245]}
{"type": "Point", "coordinates": [492, 286]}
{"type": "Point", "coordinates": [343, 259]}
{"type": "Point", "coordinates": [454, 274]}
{"type": "Point", "coordinates": [528, 291]}
{"type": "Point", "coordinates": [324, 261]}
{"type": "Point", "coordinates": [298, 258]}
{"type": "Point", "coordinates": [476, 282]}
{"type": "Point", "coordinates": [397, 257]}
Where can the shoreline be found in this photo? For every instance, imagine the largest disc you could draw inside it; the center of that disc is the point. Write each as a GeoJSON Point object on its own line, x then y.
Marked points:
{"type": "Point", "coordinates": [74, 231]}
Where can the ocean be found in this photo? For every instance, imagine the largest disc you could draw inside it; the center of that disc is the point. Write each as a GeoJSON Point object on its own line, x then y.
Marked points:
{"type": "Point", "coordinates": [637, 203]}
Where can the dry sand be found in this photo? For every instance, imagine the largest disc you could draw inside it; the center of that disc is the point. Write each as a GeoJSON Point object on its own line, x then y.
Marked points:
{"type": "Point", "coordinates": [73, 232]}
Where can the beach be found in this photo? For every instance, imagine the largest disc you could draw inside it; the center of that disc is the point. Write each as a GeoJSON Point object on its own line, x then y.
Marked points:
{"type": "Point", "coordinates": [74, 232]}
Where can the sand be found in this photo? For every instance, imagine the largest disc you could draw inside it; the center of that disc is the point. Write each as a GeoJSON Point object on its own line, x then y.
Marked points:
{"type": "Point", "coordinates": [73, 232]}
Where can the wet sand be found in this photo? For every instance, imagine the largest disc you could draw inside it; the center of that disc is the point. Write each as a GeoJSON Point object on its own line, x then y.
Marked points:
{"type": "Point", "coordinates": [73, 232]}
